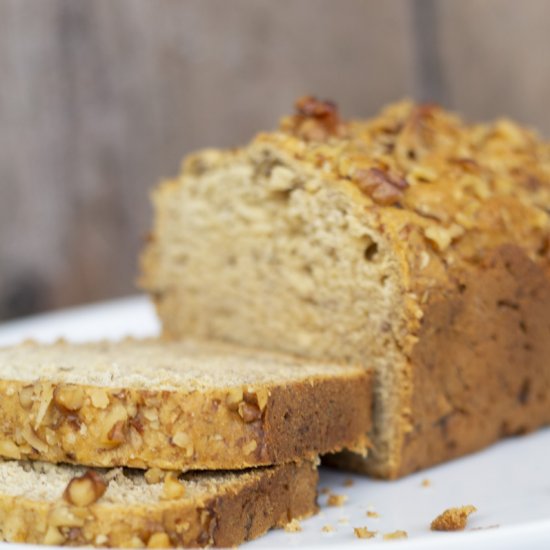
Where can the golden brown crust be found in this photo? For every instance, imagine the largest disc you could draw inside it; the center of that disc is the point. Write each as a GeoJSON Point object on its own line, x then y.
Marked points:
{"type": "Point", "coordinates": [272, 497]}
{"type": "Point", "coordinates": [480, 367]}
{"type": "Point", "coordinates": [216, 429]}
{"type": "Point", "coordinates": [453, 519]}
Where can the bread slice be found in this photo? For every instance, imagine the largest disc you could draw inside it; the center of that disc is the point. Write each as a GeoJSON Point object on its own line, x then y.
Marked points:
{"type": "Point", "coordinates": [413, 243]}
{"type": "Point", "coordinates": [178, 405]}
{"type": "Point", "coordinates": [68, 505]}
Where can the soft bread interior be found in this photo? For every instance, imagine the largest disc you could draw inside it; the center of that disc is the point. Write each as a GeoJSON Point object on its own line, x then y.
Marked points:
{"type": "Point", "coordinates": [251, 247]}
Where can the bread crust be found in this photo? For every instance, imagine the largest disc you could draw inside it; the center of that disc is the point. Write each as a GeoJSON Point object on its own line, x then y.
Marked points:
{"type": "Point", "coordinates": [233, 428]}
{"type": "Point", "coordinates": [270, 497]}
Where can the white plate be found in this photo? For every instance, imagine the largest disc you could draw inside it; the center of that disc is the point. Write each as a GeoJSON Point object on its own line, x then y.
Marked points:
{"type": "Point", "coordinates": [508, 483]}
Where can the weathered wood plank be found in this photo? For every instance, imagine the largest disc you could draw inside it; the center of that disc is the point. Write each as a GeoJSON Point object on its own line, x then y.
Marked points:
{"type": "Point", "coordinates": [496, 60]}
{"type": "Point", "coordinates": [100, 99]}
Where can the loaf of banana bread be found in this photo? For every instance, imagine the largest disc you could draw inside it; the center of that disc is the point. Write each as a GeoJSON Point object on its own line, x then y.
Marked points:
{"type": "Point", "coordinates": [413, 243]}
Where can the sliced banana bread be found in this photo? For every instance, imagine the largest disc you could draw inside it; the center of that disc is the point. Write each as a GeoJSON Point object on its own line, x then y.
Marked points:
{"type": "Point", "coordinates": [176, 405]}
{"type": "Point", "coordinates": [69, 505]}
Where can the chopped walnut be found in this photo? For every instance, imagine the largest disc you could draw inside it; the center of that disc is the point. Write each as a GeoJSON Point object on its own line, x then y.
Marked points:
{"type": "Point", "coordinates": [336, 500]}
{"type": "Point", "coordinates": [183, 441]}
{"type": "Point", "coordinates": [249, 412]}
{"type": "Point", "coordinates": [172, 488]}
{"type": "Point", "coordinates": [364, 533]}
{"type": "Point", "coordinates": [154, 475]}
{"type": "Point", "coordinates": [85, 490]}
{"type": "Point", "coordinates": [315, 120]}
{"type": "Point", "coordinates": [159, 540]}
{"type": "Point", "coordinates": [453, 519]}
{"type": "Point", "coordinates": [53, 536]}
{"type": "Point", "coordinates": [69, 398]}
{"type": "Point", "coordinates": [382, 187]}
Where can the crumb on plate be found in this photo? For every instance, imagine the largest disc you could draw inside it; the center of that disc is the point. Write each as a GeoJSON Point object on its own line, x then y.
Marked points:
{"type": "Point", "coordinates": [399, 534]}
{"type": "Point", "coordinates": [327, 529]}
{"type": "Point", "coordinates": [364, 533]}
{"type": "Point", "coordinates": [453, 519]}
{"type": "Point", "coordinates": [336, 500]}
{"type": "Point", "coordinates": [293, 526]}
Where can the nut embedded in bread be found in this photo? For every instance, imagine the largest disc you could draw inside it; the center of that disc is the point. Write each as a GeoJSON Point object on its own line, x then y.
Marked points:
{"type": "Point", "coordinates": [413, 243]}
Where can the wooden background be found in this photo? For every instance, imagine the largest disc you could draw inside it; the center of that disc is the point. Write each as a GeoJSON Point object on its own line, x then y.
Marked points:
{"type": "Point", "coordinates": [101, 98]}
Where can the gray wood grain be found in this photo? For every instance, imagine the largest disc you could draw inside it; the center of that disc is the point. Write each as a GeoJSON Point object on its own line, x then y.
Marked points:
{"type": "Point", "coordinates": [99, 99]}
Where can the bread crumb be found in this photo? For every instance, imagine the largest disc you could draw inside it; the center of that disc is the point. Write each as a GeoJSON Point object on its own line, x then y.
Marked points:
{"type": "Point", "coordinates": [372, 514]}
{"type": "Point", "coordinates": [343, 521]}
{"type": "Point", "coordinates": [324, 491]}
{"type": "Point", "coordinates": [364, 533]}
{"type": "Point", "coordinates": [396, 535]}
{"type": "Point", "coordinates": [327, 529]}
{"type": "Point", "coordinates": [293, 526]}
{"type": "Point", "coordinates": [453, 519]}
{"type": "Point", "coordinates": [349, 482]}
{"type": "Point", "coordinates": [426, 482]}
{"type": "Point", "coordinates": [336, 500]}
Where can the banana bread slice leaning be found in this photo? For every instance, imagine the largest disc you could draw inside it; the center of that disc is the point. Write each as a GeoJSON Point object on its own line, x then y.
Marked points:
{"type": "Point", "coordinates": [412, 243]}
{"type": "Point", "coordinates": [176, 405]}
{"type": "Point", "coordinates": [43, 503]}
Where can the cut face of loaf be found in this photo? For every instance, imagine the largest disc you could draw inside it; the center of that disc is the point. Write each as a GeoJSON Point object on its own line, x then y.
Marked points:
{"type": "Point", "coordinates": [413, 243]}
{"type": "Point", "coordinates": [176, 405]}
{"type": "Point", "coordinates": [40, 503]}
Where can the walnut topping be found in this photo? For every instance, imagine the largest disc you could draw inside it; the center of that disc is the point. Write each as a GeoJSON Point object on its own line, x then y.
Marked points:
{"type": "Point", "coordinates": [116, 435]}
{"type": "Point", "coordinates": [85, 490]}
{"type": "Point", "coordinates": [452, 519]}
{"type": "Point", "coordinates": [99, 397]}
{"type": "Point", "coordinates": [183, 441]}
{"type": "Point", "coordinates": [172, 488]}
{"type": "Point", "coordinates": [234, 397]}
{"type": "Point", "coordinates": [26, 397]}
{"type": "Point", "coordinates": [249, 412]}
{"type": "Point", "coordinates": [53, 536]}
{"type": "Point", "coordinates": [315, 120]}
{"type": "Point", "coordinates": [382, 187]}
{"type": "Point", "coordinates": [46, 396]}
{"type": "Point", "coordinates": [116, 428]}
{"type": "Point", "coordinates": [62, 516]}
{"type": "Point", "coordinates": [29, 435]}
{"type": "Point", "coordinates": [250, 447]}
{"type": "Point", "coordinates": [159, 540]}
{"type": "Point", "coordinates": [336, 500]}
{"type": "Point", "coordinates": [9, 449]}
{"type": "Point", "coordinates": [69, 398]}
